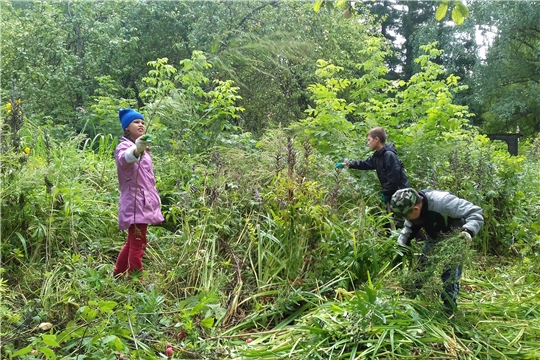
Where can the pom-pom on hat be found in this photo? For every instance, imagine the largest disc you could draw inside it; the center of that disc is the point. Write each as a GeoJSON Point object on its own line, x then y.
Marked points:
{"type": "Point", "coordinates": [127, 116]}
{"type": "Point", "coordinates": [403, 201]}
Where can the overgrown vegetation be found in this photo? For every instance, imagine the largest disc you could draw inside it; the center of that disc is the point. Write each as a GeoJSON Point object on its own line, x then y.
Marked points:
{"type": "Point", "coordinates": [267, 251]}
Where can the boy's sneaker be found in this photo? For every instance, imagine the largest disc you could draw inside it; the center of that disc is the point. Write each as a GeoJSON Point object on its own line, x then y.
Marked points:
{"type": "Point", "coordinates": [450, 308]}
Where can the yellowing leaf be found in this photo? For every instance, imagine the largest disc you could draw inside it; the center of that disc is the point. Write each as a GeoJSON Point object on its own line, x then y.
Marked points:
{"type": "Point", "coordinates": [317, 5]}
{"type": "Point", "coordinates": [441, 11]}
{"type": "Point", "coordinates": [457, 16]}
{"type": "Point", "coordinates": [45, 326]}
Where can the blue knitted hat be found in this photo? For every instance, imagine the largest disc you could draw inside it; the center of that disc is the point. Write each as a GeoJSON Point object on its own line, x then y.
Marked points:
{"type": "Point", "coordinates": [127, 116]}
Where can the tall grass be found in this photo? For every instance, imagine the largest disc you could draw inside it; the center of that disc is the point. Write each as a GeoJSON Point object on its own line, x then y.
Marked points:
{"type": "Point", "coordinates": [262, 240]}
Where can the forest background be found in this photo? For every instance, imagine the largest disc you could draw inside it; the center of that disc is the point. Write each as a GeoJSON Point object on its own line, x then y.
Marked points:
{"type": "Point", "coordinates": [267, 251]}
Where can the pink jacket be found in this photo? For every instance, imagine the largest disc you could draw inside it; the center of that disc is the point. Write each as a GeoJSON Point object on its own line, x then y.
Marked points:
{"type": "Point", "coordinates": [139, 199]}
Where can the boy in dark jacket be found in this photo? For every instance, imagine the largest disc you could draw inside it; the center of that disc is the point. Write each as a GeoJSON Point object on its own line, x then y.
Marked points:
{"type": "Point", "coordinates": [389, 167]}
{"type": "Point", "coordinates": [436, 212]}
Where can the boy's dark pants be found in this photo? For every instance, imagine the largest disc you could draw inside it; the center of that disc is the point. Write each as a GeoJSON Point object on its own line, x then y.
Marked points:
{"type": "Point", "coordinates": [450, 276]}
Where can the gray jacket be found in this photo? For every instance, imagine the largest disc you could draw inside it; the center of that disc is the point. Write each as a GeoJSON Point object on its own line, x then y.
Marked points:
{"type": "Point", "coordinates": [442, 212]}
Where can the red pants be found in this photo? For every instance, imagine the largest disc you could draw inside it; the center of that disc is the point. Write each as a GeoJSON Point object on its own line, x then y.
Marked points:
{"type": "Point", "coordinates": [130, 257]}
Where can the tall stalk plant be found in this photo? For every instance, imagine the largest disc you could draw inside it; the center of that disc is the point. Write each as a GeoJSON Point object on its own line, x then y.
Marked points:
{"type": "Point", "coordinates": [46, 207]}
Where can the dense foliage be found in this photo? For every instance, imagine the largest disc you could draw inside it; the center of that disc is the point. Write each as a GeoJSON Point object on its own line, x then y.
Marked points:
{"type": "Point", "coordinates": [63, 56]}
{"type": "Point", "coordinates": [508, 79]}
{"type": "Point", "coordinates": [267, 251]}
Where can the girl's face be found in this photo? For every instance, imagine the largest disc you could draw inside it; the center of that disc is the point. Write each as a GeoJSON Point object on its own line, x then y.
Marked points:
{"type": "Point", "coordinates": [136, 129]}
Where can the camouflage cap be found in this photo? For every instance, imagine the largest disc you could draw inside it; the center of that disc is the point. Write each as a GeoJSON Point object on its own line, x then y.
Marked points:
{"type": "Point", "coordinates": [403, 201]}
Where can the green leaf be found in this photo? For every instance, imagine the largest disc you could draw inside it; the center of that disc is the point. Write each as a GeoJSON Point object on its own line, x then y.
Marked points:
{"type": "Point", "coordinates": [50, 340]}
{"type": "Point", "coordinates": [457, 16]}
{"type": "Point", "coordinates": [208, 322]}
{"type": "Point", "coordinates": [215, 47]}
{"type": "Point", "coordinates": [118, 344]}
{"type": "Point", "coordinates": [23, 243]}
{"type": "Point", "coordinates": [441, 11]}
{"type": "Point", "coordinates": [108, 339]}
{"type": "Point", "coordinates": [22, 351]}
{"type": "Point", "coordinates": [370, 290]}
{"type": "Point", "coordinates": [48, 353]}
{"type": "Point", "coordinates": [463, 9]}
{"type": "Point", "coordinates": [109, 305]}
{"type": "Point", "coordinates": [317, 5]}
{"type": "Point", "coordinates": [89, 314]}
{"type": "Point", "coordinates": [329, 5]}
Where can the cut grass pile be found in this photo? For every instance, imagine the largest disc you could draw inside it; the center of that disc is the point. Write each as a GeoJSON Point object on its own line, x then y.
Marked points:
{"type": "Point", "coordinates": [498, 317]}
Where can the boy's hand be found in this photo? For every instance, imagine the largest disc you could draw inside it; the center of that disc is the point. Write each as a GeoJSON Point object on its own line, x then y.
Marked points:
{"type": "Point", "coordinates": [466, 235]}
{"type": "Point", "coordinates": [384, 198]}
{"type": "Point", "coordinates": [341, 165]}
{"type": "Point", "coordinates": [403, 241]}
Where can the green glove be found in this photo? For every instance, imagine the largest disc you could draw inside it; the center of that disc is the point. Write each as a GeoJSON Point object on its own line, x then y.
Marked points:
{"type": "Point", "coordinates": [339, 165]}
{"type": "Point", "coordinates": [384, 198]}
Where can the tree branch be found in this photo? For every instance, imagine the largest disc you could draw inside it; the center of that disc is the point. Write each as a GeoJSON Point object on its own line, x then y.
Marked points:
{"type": "Point", "coordinates": [532, 47]}
{"type": "Point", "coordinates": [273, 3]}
{"type": "Point", "coordinates": [519, 82]}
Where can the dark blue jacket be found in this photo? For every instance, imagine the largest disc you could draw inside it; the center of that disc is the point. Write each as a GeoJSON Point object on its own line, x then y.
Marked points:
{"type": "Point", "coordinates": [389, 167]}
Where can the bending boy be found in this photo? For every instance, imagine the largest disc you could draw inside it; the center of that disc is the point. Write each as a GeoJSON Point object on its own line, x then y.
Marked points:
{"type": "Point", "coordinates": [436, 212]}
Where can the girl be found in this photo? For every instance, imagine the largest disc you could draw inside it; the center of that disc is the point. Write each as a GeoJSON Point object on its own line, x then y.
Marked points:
{"type": "Point", "coordinates": [139, 199]}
